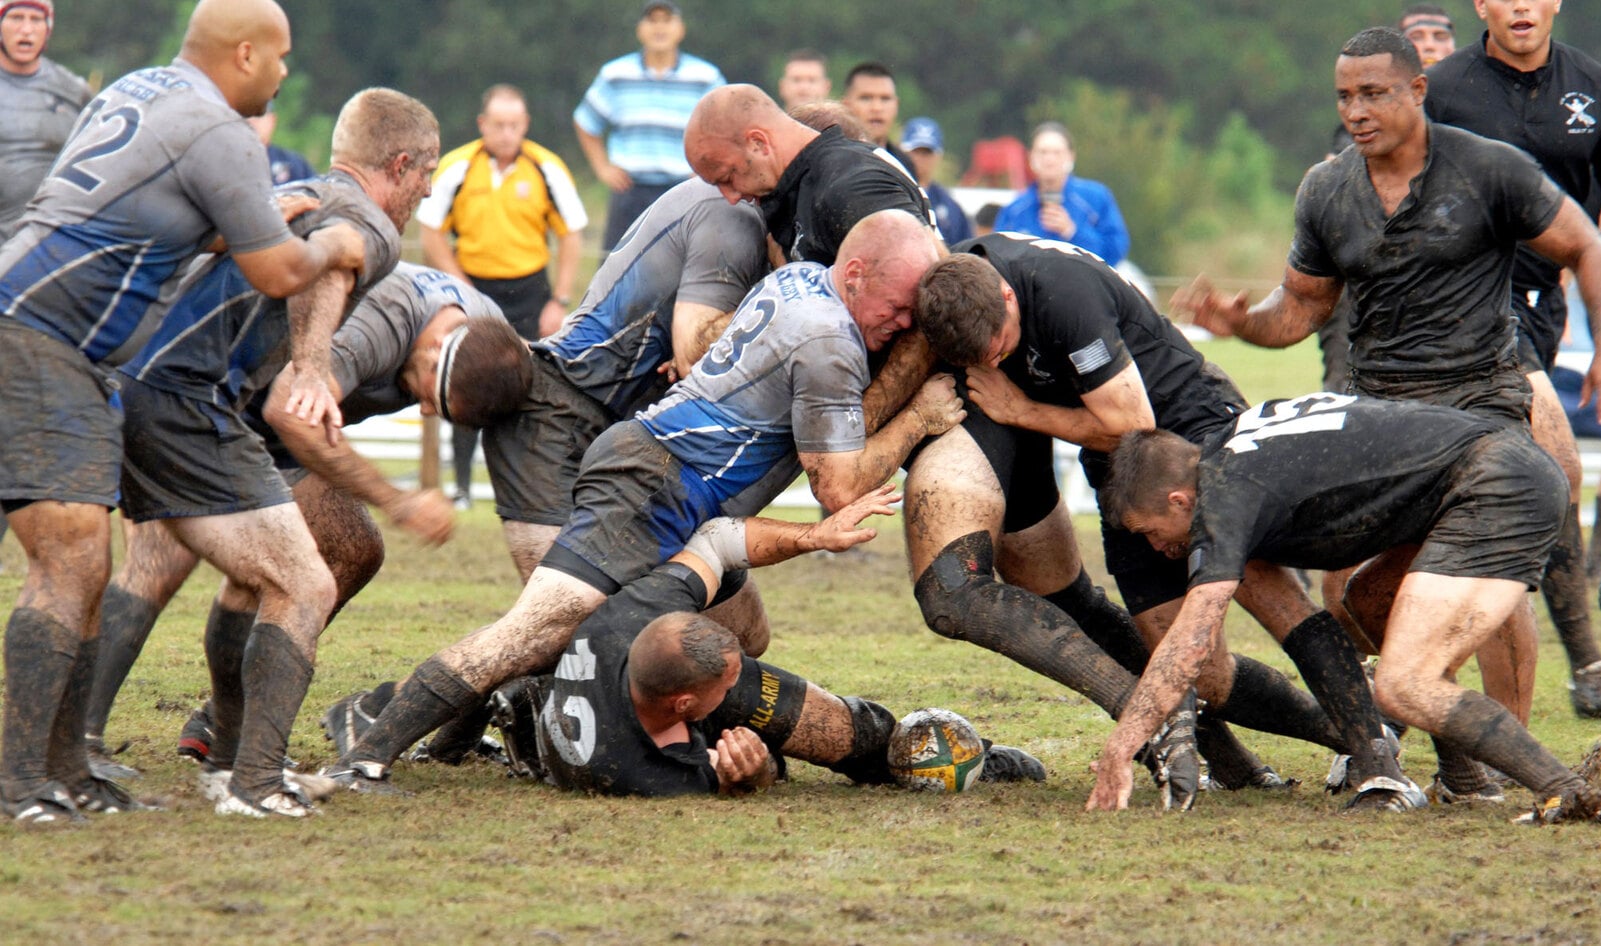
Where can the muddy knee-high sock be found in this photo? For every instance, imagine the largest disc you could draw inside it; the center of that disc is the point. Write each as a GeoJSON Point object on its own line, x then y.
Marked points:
{"type": "Point", "coordinates": [1329, 664]}
{"type": "Point", "coordinates": [69, 755]}
{"type": "Point", "coordinates": [227, 635]}
{"type": "Point", "coordinates": [1567, 596]}
{"type": "Point", "coordinates": [451, 742]}
{"type": "Point", "coordinates": [871, 727]}
{"type": "Point", "coordinates": [1265, 700]}
{"type": "Point", "coordinates": [1457, 770]}
{"type": "Point", "coordinates": [1228, 761]}
{"type": "Point", "coordinates": [962, 600]}
{"type": "Point", "coordinates": [125, 623]}
{"type": "Point", "coordinates": [432, 696]}
{"type": "Point", "coordinates": [1487, 732]}
{"type": "Point", "coordinates": [463, 441]}
{"type": "Point", "coordinates": [276, 677]}
{"type": "Point", "coordinates": [1106, 623]}
{"type": "Point", "coordinates": [40, 653]}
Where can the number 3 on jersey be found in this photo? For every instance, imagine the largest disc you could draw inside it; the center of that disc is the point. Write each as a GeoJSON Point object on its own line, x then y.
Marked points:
{"type": "Point", "coordinates": [726, 350]}
{"type": "Point", "coordinates": [1306, 414]}
{"type": "Point", "coordinates": [115, 129]}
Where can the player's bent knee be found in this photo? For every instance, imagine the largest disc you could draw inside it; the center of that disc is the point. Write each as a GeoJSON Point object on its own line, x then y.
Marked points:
{"type": "Point", "coordinates": [947, 588]}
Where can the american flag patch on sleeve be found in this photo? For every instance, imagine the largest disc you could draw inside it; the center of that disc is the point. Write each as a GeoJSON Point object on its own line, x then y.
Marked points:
{"type": "Point", "coordinates": [1090, 357]}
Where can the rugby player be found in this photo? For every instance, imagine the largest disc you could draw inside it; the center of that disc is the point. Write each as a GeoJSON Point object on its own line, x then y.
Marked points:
{"type": "Point", "coordinates": [160, 165]}
{"type": "Point", "coordinates": [1518, 85]}
{"type": "Point", "coordinates": [780, 391]}
{"type": "Point", "coordinates": [1057, 344]}
{"type": "Point", "coordinates": [1420, 223]}
{"type": "Point", "coordinates": [190, 460]}
{"type": "Point", "coordinates": [385, 357]}
{"type": "Point", "coordinates": [1467, 506]}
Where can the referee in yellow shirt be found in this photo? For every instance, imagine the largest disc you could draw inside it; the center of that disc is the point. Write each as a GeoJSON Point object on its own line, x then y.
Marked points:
{"type": "Point", "coordinates": [503, 198]}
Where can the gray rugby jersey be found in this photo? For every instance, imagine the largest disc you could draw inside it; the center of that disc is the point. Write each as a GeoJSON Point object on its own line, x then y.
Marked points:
{"type": "Point", "coordinates": [691, 245]}
{"type": "Point", "coordinates": [37, 113]}
{"type": "Point", "coordinates": [371, 348]}
{"type": "Point", "coordinates": [157, 165]}
{"type": "Point", "coordinates": [787, 375]}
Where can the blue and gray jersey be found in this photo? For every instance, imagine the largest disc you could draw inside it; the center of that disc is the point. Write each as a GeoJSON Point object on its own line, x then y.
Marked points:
{"type": "Point", "coordinates": [692, 246]}
{"type": "Point", "coordinates": [370, 350]}
{"type": "Point", "coordinates": [218, 335]}
{"type": "Point", "coordinates": [157, 167]}
{"type": "Point", "coordinates": [786, 376]}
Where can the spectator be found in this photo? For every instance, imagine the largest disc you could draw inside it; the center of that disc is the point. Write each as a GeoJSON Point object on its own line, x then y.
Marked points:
{"type": "Point", "coordinates": [805, 79]}
{"type": "Point", "coordinates": [870, 95]}
{"type": "Point", "coordinates": [925, 145]}
{"type": "Point", "coordinates": [1063, 207]}
{"type": "Point", "coordinates": [984, 220]}
{"type": "Point", "coordinates": [631, 120]}
{"type": "Point", "coordinates": [286, 165]}
{"type": "Point", "coordinates": [503, 197]}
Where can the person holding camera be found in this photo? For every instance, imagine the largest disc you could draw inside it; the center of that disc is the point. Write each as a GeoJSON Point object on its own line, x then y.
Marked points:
{"type": "Point", "coordinates": [1060, 206]}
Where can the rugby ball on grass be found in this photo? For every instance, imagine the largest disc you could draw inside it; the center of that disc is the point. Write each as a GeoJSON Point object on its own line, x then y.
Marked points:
{"type": "Point", "coordinates": [936, 750]}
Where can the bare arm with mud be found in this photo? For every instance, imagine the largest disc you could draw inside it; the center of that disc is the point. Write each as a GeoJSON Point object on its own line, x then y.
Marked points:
{"type": "Point", "coordinates": [838, 478]}
{"type": "Point", "coordinates": [1110, 411]}
{"type": "Point", "coordinates": [1296, 309]}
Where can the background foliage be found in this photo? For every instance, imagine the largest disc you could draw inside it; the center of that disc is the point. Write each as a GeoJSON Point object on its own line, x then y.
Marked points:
{"type": "Point", "coordinates": [1197, 112]}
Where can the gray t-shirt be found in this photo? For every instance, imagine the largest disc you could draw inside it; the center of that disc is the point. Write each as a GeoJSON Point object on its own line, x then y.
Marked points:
{"type": "Point", "coordinates": [157, 166]}
{"type": "Point", "coordinates": [787, 375]}
{"type": "Point", "coordinates": [371, 348]}
{"type": "Point", "coordinates": [36, 115]}
{"type": "Point", "coordinates": [1430, 285]}
{"type": "Point", "coordinates": [691, 245]}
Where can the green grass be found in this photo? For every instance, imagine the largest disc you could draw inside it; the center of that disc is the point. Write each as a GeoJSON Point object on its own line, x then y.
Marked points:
{"type": "Point", "coordinates": [474, 857]}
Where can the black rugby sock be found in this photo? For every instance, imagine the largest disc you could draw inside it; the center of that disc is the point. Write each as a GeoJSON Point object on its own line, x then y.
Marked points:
{"type": "Point", "coordinates": [276, 677]}
{"type": "Point", "coordinates": [432, 696]}
{"type": "Point", "coordinates": [125, 624]}
{"type": "Point", "coordinates": [871, 727]}
{"type": "Point", "coordinates": [40, 653]}
{"type": "Point", "coordinates": [1106, 623]}
{"type": "Point", "coordinates": [1487, 732]}
{"type": "Point", "coordinates": [1265, 700]}
{"type": "Point", "coordinates": [1457, 771]}
{"type": "Point", "coordinates": [69, 753]}
{"type": "Point", "coordinates": [962, 600]}
{"type": "Point", "coordinates": [451, 742]}
{"type": "Point", "coordinates": [227, 635]}
{"type": "Point", "coordinates": [1567, 596]}
{"type": "Point", "coordinates": [1328, 662]}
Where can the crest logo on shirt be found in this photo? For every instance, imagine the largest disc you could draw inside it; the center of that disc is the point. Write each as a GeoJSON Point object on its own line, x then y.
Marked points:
{"type": "Point", "coordinates": [1580, 121]}
{"type": "Point", "coordinates": [1032, 359]}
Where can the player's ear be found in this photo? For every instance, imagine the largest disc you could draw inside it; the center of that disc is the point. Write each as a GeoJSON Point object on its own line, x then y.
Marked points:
{"type": "Point", "coordinates": [1420, 88]}
{"type": "Point", "coordinates": [1181, 500]}
{"type": "Point", "coordinates": [399, 165]}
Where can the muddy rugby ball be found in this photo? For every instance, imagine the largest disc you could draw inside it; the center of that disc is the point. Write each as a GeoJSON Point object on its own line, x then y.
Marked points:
{"type": "Point", "coordinates": [936, 750]}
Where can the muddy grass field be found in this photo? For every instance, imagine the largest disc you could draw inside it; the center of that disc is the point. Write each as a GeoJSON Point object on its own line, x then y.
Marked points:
{"type": "Point", "coordinates": [474, 857]}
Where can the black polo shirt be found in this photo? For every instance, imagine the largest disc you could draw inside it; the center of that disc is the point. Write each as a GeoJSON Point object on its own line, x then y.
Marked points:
{"type": "Point", "coordinates": [833, 183]}
{"type": "Point", "coordinates": [1082, 323]}
{"type": "Point", "coordinates": [1323, 481]}
{"type": "Point", "coordinates": [1430, 285]}
{"type": "Point", "coordinates": [1553, 113]}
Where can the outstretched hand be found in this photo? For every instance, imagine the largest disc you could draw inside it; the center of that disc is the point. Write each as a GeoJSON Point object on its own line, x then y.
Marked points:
{"type": "Point", "coordinates": [843, 529]}
{"type": "Point", "coordinates": [425, 513]}
{"type": "Point", "coordinates": [1114, 783]}
{"type": "Point", "coordinates": [1204, 306]}
{"type": "Point", "coordinates": [311, 400]}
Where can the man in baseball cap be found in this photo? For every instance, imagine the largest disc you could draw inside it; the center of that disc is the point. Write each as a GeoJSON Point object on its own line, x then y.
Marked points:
{"type": "Point", "coordinates": [924, 143]}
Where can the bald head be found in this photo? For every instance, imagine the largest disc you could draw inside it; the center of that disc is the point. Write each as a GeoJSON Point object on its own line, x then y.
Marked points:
{"type": "Point", "coordinates": [680, 653]}
{"type": "Point", "coordinates": [740, 141]}
{"type": "Point", "coordinates": [240, 45]}
{"type": "Point", "coordinates": [877, 269]}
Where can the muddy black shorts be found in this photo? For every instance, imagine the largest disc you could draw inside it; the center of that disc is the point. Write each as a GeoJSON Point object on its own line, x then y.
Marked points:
{"type": "Point", "coordinates": [634, 507]}
{"type": "Point", "coordinates": [534, 455]}
{"type": "Point", "coordinates": [185, 457]}
{"type": "Point", "coordinates": [765, 699]}
{"type": "Point", "coordinates": [60, 422]}
{"type": "Point", "coordinates": [1505, 500]}
{"type": "Point", "coordinates": [1540, 327]}
{"type": "Point", "coordinates": [1500, 392]}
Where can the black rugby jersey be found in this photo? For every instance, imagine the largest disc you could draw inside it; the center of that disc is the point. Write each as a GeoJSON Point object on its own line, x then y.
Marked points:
{"type": "Point", "coordinates": [833, 183]}
{"type": "Point", "coordinates": [1323, 481]}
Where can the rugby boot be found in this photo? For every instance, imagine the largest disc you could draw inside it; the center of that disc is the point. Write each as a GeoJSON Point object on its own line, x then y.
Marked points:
{"type": "Point", "coordinates": [102, 765]}
{"type": "Point", "coordinates": [49, 805]}
{"type": "Point", "coordinates": [514, 710]}
{"type": "Point", "coordinates": [1172, 759]}
{"type": "Point", "coordinates": [1382, 793]}
{"type": "Point", "coordinates": [1010, 764]}
{"type": "Point", "coordinates": [1584, 690]}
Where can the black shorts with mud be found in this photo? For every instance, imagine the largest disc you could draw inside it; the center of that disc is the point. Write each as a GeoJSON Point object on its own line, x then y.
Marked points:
{"type": "Point", "coordinates": [534, 455]}
{"type": "Point", "coordinates": [1499, 518]}
{"type": "Point", "coordinates": [765, 699]}
{"type": "Point", "coordinates": [60, 422]}
{"type": "Point", "coordinates": [185, 457]}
